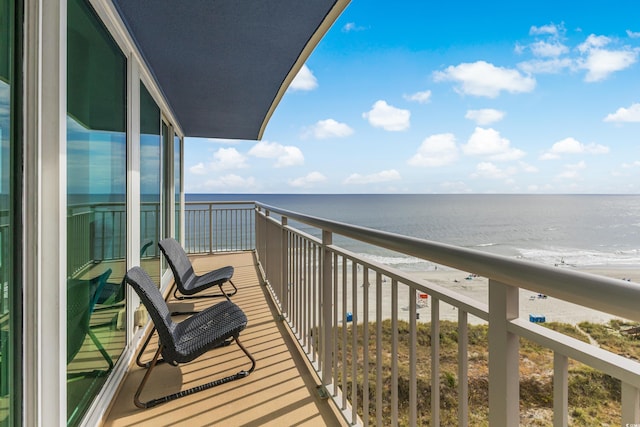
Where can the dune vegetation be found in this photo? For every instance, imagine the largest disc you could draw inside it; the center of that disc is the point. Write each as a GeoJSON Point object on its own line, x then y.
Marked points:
{"type": "Point", "coordinates": [594, 398]}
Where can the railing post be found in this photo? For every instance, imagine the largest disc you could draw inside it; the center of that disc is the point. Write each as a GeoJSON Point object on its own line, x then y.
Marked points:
{"type": "Point", "coordinates": [210, 228]}
{"type": "Point", "coordinates": [504, 395]}
{"type": "Point", "coordinates": [560, 390]}
{"type": "Point", "coordinates": [630, 405]}
{"type": "Point", "coordinates": [435, 361]}
{"type": "Point", "coordinates": [327, 307]}
{"type": "Point", "coordinates": [463, 369]}
{"type": "Point", "coordinates": [284, 272]}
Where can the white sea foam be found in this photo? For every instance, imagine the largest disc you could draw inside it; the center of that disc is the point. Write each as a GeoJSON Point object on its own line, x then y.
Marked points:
{"type": "Point", "coordinates": [580, 257]}
{"type": "Point", "coordinates": [485, 245]}
{"type": "Point", "coordinates": [401, 262]}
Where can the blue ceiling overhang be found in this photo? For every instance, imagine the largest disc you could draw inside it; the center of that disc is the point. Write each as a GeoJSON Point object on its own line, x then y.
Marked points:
{"type": "Point", "coordinates": [223, 65]}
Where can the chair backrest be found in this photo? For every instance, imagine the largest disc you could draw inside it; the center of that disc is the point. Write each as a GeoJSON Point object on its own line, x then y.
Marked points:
{"type": "Point", "coordinates": [78, 315]}
{"type": "Point", "coordinates": [155, 305]}
{"type": "Point", "coordinates": [144, 248]}
{"type": "Point", "coordinates": [81, 300]}
{"type": "Point", "coordinates": [97, 285]}
{"type": "Point", "coordinates": [178, 261]}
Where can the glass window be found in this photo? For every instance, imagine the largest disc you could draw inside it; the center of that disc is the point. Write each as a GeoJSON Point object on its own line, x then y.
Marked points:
{"type": "Point", "coordinates": [149, 184]}
{"type": "Point", "coordinates": [10, 337]}
{"type": "Point", "coordinates": [96, 198]}
{"type": "Point", "coordinates": [166, 194]}
{"type": "Point", "coordinates": [177, 181]}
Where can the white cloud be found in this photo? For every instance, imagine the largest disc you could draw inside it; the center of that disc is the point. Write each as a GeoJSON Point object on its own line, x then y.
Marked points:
{"type": "Point", "coordinates": [387, 117]}
{"type": "Point", "coordinates": [491, 171]}
{"type": "Point", "coordinates": [328, 128]}
{"type": "Point", "coordinates": [573, 146]}
{"type": "Point", "coordinates": [436, 150]}
{"type": "Point", "coordinates": [593, 42]}
{"type": "Point", "coordinates": [489, 142]}
{"type": "Point", "coordinates": [546, 66]}
{"type": "Point", "coordinates": [228, 158]}
{"type": "Point", "coordinates": [285, 155]}
{"type": "Point", "coordinates": [572, 170]}
{"type": "Point", "coordinates": [635, 164]}
{"type": "Point", "coordinates": [421, 97]}
{"type": "Point", "coordinates": [223, 159]}
{"type": "Point", "coordinates": [484, 79]}
{"type": "Point", "coordinates": [308, 180]}
{"type": "Point", "coordinates": [351, 26]}
{"type": "Point", "coordinates": [548, 49]}
{"type": "Point", "coordinates": [198, 169]}
{"type": "Point", "coordinates": [525, 167]}
{"type": "Point", "coordinates": [485, 116]}
{"type": "Point", "coordinates": [304, 80]}
{"type": "Point", "coordinates": [599, 62]}
{"type": "Point", "coordinates": [594, 55]}
{"type": "Point", "coordinates": [549, 29]}
{"type": "Point", "coordinates": [383, 176]}
{"type": "Point", "coordinates": [292, 157]}
{"type": "Point", "coordinates": [633, 34]}
{"type": "Point", "coordinates": [631, 114]}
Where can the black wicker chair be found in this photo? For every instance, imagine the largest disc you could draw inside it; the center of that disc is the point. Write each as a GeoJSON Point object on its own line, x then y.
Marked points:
{"type": "Point", "coordinates": [182, 342]}
{"type": "Point", "coordinates": [187, 281]}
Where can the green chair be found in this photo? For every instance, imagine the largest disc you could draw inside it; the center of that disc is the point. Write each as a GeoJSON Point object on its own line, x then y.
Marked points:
{"type": "Point", "coordinates": [82, 296]}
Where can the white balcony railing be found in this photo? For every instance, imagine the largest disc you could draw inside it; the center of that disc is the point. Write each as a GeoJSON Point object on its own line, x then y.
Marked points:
{"type": "Point", "coordinates": [323, 290]}
{"type": "Point", "coordinates": [318, 285]}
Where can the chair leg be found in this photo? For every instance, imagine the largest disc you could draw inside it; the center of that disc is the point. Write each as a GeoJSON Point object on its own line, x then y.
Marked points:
{"type": "Point", "coordinates": [153, 402]}
{"type": "Point", "coordinates": [145, 365]}
{"type": "Point", "coordinates": [144, 347]}
{"type": "Point", "coordinates": [222, 294]}
{"type": "Point", "coordinates": [98, 344]}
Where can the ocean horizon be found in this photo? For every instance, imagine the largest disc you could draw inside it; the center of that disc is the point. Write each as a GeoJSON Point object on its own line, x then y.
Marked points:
{"type": "Point", "coordinates": [574, 230]}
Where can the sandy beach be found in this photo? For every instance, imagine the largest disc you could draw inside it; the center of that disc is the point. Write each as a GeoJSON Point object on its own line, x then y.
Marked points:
{"type": "Point", "coordinates": [476, 288]}
{"type": "Point", "coordinates": [531, 303]}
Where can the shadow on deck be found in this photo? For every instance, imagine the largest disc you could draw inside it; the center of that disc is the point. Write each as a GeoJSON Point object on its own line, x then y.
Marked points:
{"type": "Point", "coordinates": [281, 391]}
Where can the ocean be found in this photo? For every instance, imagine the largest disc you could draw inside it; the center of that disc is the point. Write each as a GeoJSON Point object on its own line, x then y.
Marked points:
{"type": "Point", "coordinates": [578, 230]}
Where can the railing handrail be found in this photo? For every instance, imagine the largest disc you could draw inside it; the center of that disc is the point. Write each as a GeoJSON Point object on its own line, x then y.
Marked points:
{"type": "Point", "coordinates": [613, 296]}
{"type": "Point", "coordinates": [220, 202]}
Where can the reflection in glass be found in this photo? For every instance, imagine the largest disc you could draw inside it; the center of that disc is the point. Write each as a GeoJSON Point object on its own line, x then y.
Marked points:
{"type": "Point", "coordinates": [9, 361]}
{"type": "Point", "coordinates": [149, 184]}
{"type": "Point", "coordinates": [167, 196]}
{"type": "Point", "coordinates": [177, 180]}
{"type": "Point", "coordinates": [96, 206]}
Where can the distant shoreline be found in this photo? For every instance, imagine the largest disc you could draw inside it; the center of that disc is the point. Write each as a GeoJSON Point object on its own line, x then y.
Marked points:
{"type": "Point", "coordinates": [477, 288]}
{"type": "Point", "coordinates": [553, 309]}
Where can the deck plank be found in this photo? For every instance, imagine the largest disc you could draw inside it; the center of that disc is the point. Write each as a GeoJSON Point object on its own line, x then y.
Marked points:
{"type": "Point", "coordinates": [280, 392]}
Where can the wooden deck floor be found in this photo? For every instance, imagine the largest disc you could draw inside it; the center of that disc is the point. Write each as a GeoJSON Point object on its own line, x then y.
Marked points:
{"type": "Point", "coordinates": [280, 392]}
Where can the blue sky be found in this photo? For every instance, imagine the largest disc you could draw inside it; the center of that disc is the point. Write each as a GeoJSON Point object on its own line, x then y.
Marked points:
{"type": "Point", "coordinates": [462, 97]}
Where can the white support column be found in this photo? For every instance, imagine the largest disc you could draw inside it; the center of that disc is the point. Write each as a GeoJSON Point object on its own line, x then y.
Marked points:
{"type": "Point", "coordinates": [504, 398]}
{"type": "Point", "coordinates": [133, 185]}
{"type": "Point", "coordinates": [630, 405]}
{"type": "Point", "coordinates": [560, 390]}
{"type": "Point", "coordinates": [45, 218]}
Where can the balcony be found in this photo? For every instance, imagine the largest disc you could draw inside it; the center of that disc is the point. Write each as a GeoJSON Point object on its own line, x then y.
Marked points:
{"type": "Point", "coordinates": [282, 390]}
{"type": "Point", "coordinates": [304, 294]}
